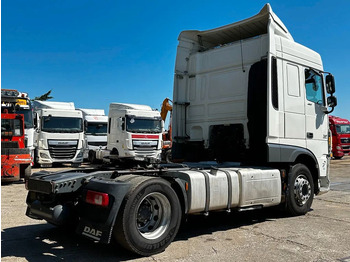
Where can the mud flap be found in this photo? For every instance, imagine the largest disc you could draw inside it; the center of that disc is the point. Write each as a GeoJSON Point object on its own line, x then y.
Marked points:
{"type": "Point", "coordinates": [97, 222]}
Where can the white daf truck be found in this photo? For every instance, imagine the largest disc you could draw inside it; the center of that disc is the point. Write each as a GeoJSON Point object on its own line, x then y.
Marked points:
{"type": "Point", "coordinates": [247, 99]}
{"type": "Point", "coordinates": [134, 133]}
{"type": "Point", "coordinates": [95, 123]}
{"type": "Point", "coordinates": [59, 134]}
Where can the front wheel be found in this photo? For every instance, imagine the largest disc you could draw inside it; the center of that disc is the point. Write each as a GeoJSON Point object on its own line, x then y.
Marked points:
{"type": "Point", "coordinates": [168, 156]}
{"type": "Point", "coordinates": [150, 218]}
{"type": "Point", "coordinates": [92, 157]}
{"type": "Point", "coordinates": [25, 171]}
{"type": "Point", "coordinates": [300, 190]}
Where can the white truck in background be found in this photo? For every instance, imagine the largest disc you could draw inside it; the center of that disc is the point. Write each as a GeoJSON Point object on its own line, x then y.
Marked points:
{"type": "Point", "coordinates": [95, 123]}
{"type": "Point", "coordinates": [134, 133]}
{"type": "Point", "coordinates": [59, 134]}
{"type": "Point", "coordinates": [245, 93]}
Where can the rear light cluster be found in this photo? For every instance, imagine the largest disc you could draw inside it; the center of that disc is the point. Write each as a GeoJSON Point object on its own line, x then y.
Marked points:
{"type": "Point", "coordinates": [97, 198]}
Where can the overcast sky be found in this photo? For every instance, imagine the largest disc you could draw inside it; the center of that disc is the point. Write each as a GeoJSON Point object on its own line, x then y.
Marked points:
{"type": "Point", "coordinates": [97, 52]}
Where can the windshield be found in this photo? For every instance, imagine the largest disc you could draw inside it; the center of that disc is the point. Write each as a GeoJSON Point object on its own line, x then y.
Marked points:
{"type": "Point", "coordinates": [97, 129]}
{"type": "Point", "coordinates": [11, 127]}
{"type": "Point", "coordinates": [343, 129]}
{"type": "Point", "coordinates": [62, 124]}
{"type": "Point", "coordinates": [28, 117]}
{"type": "Point", "coordinates": [143, 125]}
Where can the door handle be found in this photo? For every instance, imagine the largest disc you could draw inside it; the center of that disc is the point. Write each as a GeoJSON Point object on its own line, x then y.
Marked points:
{"type": "Point", "coordinates": [309, 135]}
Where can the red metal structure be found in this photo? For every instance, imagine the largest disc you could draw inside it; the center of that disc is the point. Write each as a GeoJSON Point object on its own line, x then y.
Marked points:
{"type": "Point", "coordinates": [340, 129]}
{"type": "Point", "coordinates": [15, 158]}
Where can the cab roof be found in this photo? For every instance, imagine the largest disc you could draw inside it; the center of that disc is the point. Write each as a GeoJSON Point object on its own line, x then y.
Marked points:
{"type": "Point", "coordinates": [247, 28]}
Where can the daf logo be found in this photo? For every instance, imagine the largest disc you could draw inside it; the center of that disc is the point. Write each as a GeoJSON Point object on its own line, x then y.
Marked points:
{"type": "Point", "coordinates": [63, 143]}
{"type": "Point", "coordinates": [92, 232]}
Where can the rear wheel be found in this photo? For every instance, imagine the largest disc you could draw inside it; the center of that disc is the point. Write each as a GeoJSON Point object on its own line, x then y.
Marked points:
{"type": "Point", "coordinates": [150, 218]}
{"type": "Point", "coordinates": [300, 190]}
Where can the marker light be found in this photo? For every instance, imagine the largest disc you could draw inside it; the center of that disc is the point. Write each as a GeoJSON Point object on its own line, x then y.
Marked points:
{"type": "Point", "coordinates": [97, 198]}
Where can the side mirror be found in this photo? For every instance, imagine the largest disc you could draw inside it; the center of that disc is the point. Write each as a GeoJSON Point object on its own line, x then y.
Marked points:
{"type": "Point", "coordinates": [330, 84]}
{"type": "Point", "coordinates": [332, 101]}
{"type": "Point", "coordinates": [36, 119]}
{"type": "Point", "coordinates": [85, 125]}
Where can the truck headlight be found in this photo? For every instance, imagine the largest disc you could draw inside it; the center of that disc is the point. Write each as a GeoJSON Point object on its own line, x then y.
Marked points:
{"type": "Point", "coordinates": [44, 155]}
{"type": "Point", "coordinates": [80, 154]}
{"type": "Point", "coordinates": [128, 143]}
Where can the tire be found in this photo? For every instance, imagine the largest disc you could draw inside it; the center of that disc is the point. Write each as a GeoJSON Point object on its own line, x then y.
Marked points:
{"type": "Point", "coordinates": [35, 161]}
{"type": "Point", "coordinates": [168, 156]}
{"type": "Point", "coordinates": [300, 190]}
{"type": "Point", "coordinates": [338, 157]}
{"type": "Point", "coordinates": [149, 219]}
{"type": "Point", "coordinates": [92, 157]}
{"type": "Point", "coordinates": [25, 171]}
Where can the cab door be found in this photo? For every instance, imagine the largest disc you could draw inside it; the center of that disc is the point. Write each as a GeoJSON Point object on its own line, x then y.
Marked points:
{"type": "Point", "coordinates": [294, 104]}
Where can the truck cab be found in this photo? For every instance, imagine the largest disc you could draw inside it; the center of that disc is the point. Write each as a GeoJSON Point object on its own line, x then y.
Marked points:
{"type": "Point", "coordinates": [247, 92]}
{"type": "Point", "coordinates": [340, 129]}
{"type": "Point", "coordinates": [95, 123]}
{"type": "Point", "coordinates": [134, 132]}
{"type": "Point", "coordinates": [18, 102]}
{"type": "Point", "coordinates": [59, 134]}
{"type": "Point", "coordinates": [15, 157]}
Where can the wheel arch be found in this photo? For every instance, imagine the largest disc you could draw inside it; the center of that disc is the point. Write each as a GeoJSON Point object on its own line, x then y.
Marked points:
{"type": "Point", "coordinates": [311, 163]}
{"type": "Point", "coordinates": [115, 151]}
{"type": "Point", "coordinates": [291, 155]}
{"type": "Point", "coordinates": [180, 191]}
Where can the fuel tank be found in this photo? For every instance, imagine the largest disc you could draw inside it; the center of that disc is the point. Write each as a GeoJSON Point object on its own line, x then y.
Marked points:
{"type": "Point", "coordinates": [226, 188]}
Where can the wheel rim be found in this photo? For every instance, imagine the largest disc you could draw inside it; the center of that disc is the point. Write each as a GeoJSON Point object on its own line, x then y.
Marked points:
{"type": "Point", "coordinates": [302, 190]}
{"type": "Point", "coordinates": [153, 215]}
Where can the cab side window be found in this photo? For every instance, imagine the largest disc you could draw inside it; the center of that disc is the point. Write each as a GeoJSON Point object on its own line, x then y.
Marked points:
{"type": "Point", "coordinates": [314, 87]}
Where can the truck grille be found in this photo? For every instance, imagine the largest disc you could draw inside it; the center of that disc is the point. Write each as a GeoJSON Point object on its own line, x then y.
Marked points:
{"type": "Point", "coordinates": [145, 145]}
{"type": "Point", "coordinates": [346, 148]}
{"type": "Point", "coordinates": [145, 150]}
{"type": "Point", "coordinates": [9, 144]}
{"type": "Point", "coordinates": [62, 149]}
{"type": "Point", "coordinates": [345, 140]}
{"type": "Point", "coordinates": [97, 143]}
